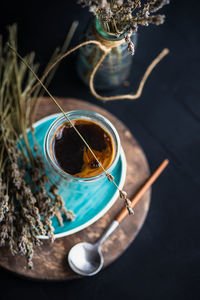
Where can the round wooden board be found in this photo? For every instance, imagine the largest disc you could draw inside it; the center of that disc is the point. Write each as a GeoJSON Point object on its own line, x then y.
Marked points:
{"type": "Point", "coordinates": [50, 260]}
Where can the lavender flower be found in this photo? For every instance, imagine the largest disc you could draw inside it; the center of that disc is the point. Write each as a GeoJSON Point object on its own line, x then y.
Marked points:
{"type": "Point", "coordinates": [121, 18]}
{"type": "Point", "coordinates": [26, 203]}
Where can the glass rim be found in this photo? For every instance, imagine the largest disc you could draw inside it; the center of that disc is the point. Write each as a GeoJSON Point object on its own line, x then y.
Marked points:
{"type": "Point", "coordinates": [104, 34]}
{"type": "Point", "coordinates": [83, 113]}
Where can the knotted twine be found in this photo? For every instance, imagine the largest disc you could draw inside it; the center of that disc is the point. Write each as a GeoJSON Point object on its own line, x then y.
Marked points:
{"type": "Point", "coordinates": [106, 46]}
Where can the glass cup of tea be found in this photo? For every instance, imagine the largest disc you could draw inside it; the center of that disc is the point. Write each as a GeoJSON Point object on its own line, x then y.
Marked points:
{"type": "Point", "coordinates": [66, 153]}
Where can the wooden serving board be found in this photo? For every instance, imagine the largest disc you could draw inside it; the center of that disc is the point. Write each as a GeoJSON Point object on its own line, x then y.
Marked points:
{"type": "Point", "coordinates": [50, 260]}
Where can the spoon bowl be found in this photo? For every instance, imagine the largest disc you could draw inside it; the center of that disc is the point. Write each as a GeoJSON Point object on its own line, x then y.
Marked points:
{"type": "Point", "coordinates": [85, 259]}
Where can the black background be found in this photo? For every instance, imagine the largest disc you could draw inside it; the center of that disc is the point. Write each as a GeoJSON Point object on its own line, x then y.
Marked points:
{"type": "Point", "coordinates": [164, 260]}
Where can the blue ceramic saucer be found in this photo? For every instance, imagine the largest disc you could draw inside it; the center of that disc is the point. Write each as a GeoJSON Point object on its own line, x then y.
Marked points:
{"type": "Point", "coordinates": [88, 200]}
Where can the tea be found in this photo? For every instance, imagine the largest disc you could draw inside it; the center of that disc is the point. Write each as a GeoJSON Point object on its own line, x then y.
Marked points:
{"type": "Point", "coordinates": [72, 155]}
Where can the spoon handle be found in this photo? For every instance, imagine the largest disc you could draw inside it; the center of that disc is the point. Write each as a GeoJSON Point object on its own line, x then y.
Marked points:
{"type": "Point", "coordinates": [124, 212]}
{"type": "Point", "coordinates": [108, 232]}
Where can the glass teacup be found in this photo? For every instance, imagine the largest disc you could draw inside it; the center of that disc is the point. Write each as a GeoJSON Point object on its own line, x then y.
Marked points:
{"type": "Point", "coordinates": [57, 173]}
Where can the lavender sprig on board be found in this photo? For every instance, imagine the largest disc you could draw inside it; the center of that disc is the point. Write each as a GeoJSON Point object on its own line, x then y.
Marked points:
{"type": "Point", "coordinates": [26, 202]}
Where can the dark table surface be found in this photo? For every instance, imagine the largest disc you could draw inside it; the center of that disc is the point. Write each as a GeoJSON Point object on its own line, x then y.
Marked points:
{"type": "Point", "coordinates": [164, 260]}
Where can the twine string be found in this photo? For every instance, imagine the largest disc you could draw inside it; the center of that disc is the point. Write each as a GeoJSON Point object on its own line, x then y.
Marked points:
{"type": "Point", "coordinates": [141, 85]}
{"type": "Point", "coordinates": [106, 46]}
{"type": "Point", "coordinates": [102, 47]}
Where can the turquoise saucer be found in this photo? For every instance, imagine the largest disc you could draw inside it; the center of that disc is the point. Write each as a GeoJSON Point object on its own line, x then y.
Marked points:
{"type": "Point", "coordinates": [88, 200]}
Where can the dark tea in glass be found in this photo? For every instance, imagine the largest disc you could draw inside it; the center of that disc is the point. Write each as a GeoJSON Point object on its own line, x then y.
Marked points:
{"type": "Point", "coordinates": [73, 156]}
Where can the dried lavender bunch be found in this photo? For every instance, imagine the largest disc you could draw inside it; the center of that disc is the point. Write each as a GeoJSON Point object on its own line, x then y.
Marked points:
{"type": "Point", "coordinates": [26, 200]}
{"type": "Point", "coordinates": [121, 18]}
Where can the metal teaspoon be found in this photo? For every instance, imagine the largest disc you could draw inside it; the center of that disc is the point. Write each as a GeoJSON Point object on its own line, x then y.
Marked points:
{"type": "Point", "coordinates": [86, 259]}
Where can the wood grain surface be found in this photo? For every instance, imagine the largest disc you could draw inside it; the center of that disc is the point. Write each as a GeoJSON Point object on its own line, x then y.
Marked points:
{"type": "Point", "coordinates": [50, 260]}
